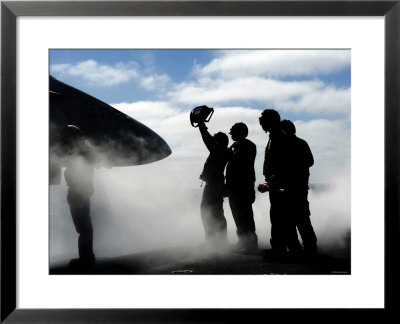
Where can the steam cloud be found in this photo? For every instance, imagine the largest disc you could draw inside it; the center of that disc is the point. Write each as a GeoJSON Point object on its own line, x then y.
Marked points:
{"type": "Point", "coordinates": [157, 205]}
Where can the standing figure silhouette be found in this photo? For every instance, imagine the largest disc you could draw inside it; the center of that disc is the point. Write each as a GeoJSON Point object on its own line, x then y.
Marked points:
{"type": "Point", "coordinates": [80, 161]}
{"type": "Point", "coordinates": [240, 178]}
{"type": "Point", "coordinates": [277, 173]}
{"type": "Point", "coordinates": [297, 187]}
{"type": "Point", "coordinates": [212, 212]}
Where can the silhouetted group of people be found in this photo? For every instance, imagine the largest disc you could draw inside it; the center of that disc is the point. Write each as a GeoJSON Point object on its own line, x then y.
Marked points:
{"type": "Point", "coordinates": [286, 170]}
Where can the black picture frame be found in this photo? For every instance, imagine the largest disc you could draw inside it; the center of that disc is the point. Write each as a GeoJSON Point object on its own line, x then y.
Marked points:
{"type": "Point", "coordinates": [10, 10]}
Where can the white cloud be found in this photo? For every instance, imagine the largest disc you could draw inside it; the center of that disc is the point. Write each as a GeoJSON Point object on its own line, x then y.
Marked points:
{"type": "Point", "coordinates": [98, 74]}
{"type": "Point", "coordinates": [325, 100]}
{"type": "Point", "coordinates": [275, 63]}
{"type": "Point", "coordinates": [297, 96]}
{"type": "Point", "coordinates": [330, 142]}
{"type": "Point", "coordinates": [155, 81]}
{"type": "Point", "coordinates": [253, 76]}
{"type": "Point", "coordinates": [146, 110]}
{"type": "Point", "coordinates": [236, 77]}
{"type": "Point", "coordinates": [253, 88]}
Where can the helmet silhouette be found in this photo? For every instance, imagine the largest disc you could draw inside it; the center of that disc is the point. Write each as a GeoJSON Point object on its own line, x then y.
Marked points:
{"type": "Point", "coordinates": [71, 134]}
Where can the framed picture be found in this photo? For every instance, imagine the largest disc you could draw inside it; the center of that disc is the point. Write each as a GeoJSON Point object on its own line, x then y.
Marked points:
{"type": "Point", "coordinates": [152, 87]}
{"type": "Point", "coordinates": [216, 52]}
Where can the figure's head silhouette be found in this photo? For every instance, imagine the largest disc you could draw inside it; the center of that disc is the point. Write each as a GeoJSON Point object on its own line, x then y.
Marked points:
{"type": "Point", "coordinates": [239, 131]}
{"type": "Point", "coordinates": [71, 135]}
{"type": "Point", "coordinates": [288, 127]}
{"type": "Point", "coordinates": [270, 120]}
{"type": "Point", "coordinates": [222, 139]}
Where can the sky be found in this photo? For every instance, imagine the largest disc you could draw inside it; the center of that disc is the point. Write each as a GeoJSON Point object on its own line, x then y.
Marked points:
{"type": "Point", "coordinates": [157, 205]}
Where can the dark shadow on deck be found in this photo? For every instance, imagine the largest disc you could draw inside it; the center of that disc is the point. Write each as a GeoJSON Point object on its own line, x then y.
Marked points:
{"type": "Point", "coordinates": [199, 261]}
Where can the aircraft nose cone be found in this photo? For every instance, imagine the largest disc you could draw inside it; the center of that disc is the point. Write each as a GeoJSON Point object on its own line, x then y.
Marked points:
{"type": "Point", "coordinates": [118, 139]}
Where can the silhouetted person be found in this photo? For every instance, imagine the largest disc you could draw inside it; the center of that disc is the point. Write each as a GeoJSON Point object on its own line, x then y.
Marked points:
{"type": "Point", "coordinates": [276, 171]}
{"type": "Point", "coordinates": [78, 175]}
{"type": "Point", "coordinates": [240, 178]}
{"type": "Point", "coordinates": [297, 186]}
{"type": "Point", "coordinates": [212, 212]}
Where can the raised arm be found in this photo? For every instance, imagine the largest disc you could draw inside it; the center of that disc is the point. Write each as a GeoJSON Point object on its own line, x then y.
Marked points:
{"type": "Point", "coordinates": [208, 140]}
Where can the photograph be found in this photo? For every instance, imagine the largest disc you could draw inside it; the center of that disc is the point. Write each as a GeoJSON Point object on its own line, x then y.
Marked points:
{"type": "Point", "coordinates": [199, 161]}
